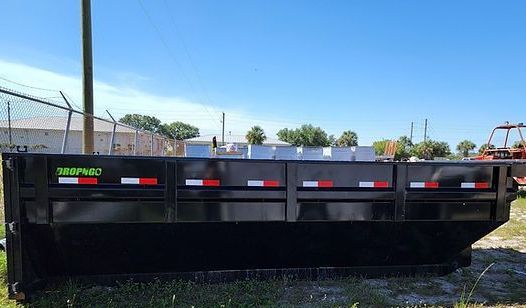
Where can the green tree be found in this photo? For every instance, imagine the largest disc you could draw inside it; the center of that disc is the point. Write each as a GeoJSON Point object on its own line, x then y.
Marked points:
{"type": "Point", "coordinates": [347, 139]}
{"type": "Point", "coordinates": [484, 147]}
{"type": "Point", "coordinates": [141, 122]}
{"type": "Point", "coordinates": [256, 135]}
{"type": "Point", "coordinates": [179, 130]}
{"type": "Point", "coordinates": [306, 135]}
{"type": "Point", "coordinates": [465, 146]}
{"type": "Point", "coordinates": [430, 149]}
{"type": "Point", "coordinates": [379, 146]}
{"type": "Point", "coordinates": [403, 147]}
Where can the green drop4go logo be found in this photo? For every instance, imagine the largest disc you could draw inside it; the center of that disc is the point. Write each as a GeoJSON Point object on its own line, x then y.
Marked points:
{"type": "Point", "coordinates": [76, 171]}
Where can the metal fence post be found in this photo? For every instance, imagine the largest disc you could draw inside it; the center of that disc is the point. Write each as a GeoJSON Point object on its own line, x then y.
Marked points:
{"type": "Point", "coordinates": [151, 146]}
{"type": "Point", "coordinates": [66, 132]}
{"type": "Point", "coordinates": [136, 142]}
{"type": "Point", "coordinates": [9, 125]}
{"type": "Point", "coordinates": [112, 141]}
{"type": "Point", "coordinates": [68, 124]}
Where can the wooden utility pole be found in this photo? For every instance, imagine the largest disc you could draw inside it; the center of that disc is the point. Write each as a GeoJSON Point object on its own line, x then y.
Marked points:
{"type": "Point", "coordinates": [223, 131]}
{"type": "Point", "coordinates": [87, 77]}
{"type": "Point", "coordinates": [411, 136]}
{"type": "Point", "coordinates": [425, 131]}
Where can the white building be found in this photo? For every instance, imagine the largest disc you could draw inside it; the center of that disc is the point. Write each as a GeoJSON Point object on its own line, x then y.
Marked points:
{"type": "Point", "coordinates": [45, 134]}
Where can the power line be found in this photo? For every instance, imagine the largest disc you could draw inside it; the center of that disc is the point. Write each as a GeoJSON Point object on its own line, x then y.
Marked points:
{"type": "Point", "coordinates": [187, 52]}
{"type": "Point", "coordinates": [26, 86]}
{"type": "Point", "coordinates": [170, 53]}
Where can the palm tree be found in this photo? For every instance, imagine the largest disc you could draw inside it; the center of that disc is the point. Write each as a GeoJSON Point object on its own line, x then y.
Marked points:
{"type": "Point", "coordinates": [347, 139]}
{"type": "Point", "coordinates": [465, 146]}
{"type": "Point", "coordinates": [256, 135]}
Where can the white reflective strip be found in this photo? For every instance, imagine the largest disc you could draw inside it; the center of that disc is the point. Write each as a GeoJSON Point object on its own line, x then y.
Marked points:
{"type": "Point", "coordinates": [417, 185]}
{"type": "Point", "coordinates": [310, 183]}
{"type": "Point", "coordinates": [255, 183]}
{"type": "Point", "coordinates": [467, 185]}
{"type": "Point", "coordinates": [367, 184]}
{"type": "Point", "coordinates": [68, 180]}
{"type": "Point", "coordinates": [129, 180]}
{"type": "Point", "coordinates": [194, 182]}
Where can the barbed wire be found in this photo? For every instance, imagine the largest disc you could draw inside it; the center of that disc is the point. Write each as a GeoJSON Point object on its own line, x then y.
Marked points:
{"type": "Point", "coordinates": [30, 123]}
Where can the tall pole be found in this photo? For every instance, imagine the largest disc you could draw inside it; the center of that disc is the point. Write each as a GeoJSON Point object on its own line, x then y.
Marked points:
{"type": "Point", "coordinates": [223, 131]}
{"type": "Point", "coordinates": [411, 136]}
{"type": "Point", "coordinates": [87, 77]}
{"type": "Point", "coordinates": [425, 131]}
{"type": "Point", "coordinates": [9, 124]}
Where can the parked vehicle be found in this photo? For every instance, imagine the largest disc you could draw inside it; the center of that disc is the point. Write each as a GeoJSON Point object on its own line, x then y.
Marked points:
{"type": "Point", "coordinates": [505, 151]}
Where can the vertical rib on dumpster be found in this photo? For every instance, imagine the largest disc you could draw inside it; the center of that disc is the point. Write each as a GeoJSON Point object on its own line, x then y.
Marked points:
{"type": "Point", "coordinates": [502, 207]}
{"type": "Point", "coordinates": [15, 274]}
{"type": "Point", "coordinates": [401, 180]}
{"type": "Point", "coordinates": [41, 191]}
{"type": "Point", "coordinates": [292, 192]}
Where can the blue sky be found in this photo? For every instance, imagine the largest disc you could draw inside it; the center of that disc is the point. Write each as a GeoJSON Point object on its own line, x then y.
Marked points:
{"type": "Point", "coordinates": [369, 66]}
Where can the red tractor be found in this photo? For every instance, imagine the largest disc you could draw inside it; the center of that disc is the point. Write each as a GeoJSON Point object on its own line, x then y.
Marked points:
{"type": "Point", "coordinates": [506, 151]}
{"type": "Point", "coordinates": [518, 151]}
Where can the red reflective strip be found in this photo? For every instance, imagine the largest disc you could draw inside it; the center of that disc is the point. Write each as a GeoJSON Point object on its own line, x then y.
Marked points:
{"type": "Point", "coordinates": [88, 181]}
{"type": "Point", "coordinates": [431, 185]}
{"type": "Point", "coordinates": [481, 185]}
{"type": "Point", "coordinates": [325, 184]}
{"type": "Point", "coordinates": [271, 183]}
{"type": "Point", "coordinates": [383, 184]}
{"type": "Point", "coordinates": [148, 181]}
{"type": "Point", "coordinates": [210, 182]}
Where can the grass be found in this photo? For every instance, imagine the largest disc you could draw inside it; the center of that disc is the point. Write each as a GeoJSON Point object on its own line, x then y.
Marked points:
{"type": "Point", "coordinates": [515, 227]}
{"type": "Point", "coordinates": [465, 301]}
{"type": "Point", "coordinates": [351, 292]}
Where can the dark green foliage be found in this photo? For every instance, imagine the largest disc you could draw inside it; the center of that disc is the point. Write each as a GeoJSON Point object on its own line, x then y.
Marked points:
{"type": "Point", "coordinates": [178, 130]}
{"type": "Point", "coordinates": [175, 130]}
{"type": "Point", "coordinates": [306, 135]}
{"type": "Point", "coordinates": [403, 147]}
{"type": "Point", "coordinates": [256, 135]}
{"type": "Point", "coordinates": [347, 139]}
{"type": "Point", "coordinates": [141, 122]}
{"type": "Point", "coordinates": [466, 146]}
{"type": "Point", "coordinates": [430, 149]}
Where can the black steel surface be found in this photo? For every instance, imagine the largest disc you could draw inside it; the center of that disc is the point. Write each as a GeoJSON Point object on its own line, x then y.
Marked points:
{"type": "Point", "coordinates": [108, 228]}
{"type": "Point", "coordinates": [346, 174]}
{"type": "Point", "coordinates": [450, 176]}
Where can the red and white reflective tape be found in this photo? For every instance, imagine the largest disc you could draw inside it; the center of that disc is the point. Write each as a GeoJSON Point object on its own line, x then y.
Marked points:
{"type": "Point", "coordinates": [423, 185]}
{"type": "Point", "coordinates": [76, 180]}
{"type": "Point", "coordinates": [263, 183]}
{"type": "Point", "coordinates": [318, 184]}
{"type": "Point", "coordinates": [375, 184]}
{"type": "Point", "coordinates": [202, 182]}
{"type": "Point", "coordinates": [139, 181]}
{"type": "Point", "coordinates": [476, 185]}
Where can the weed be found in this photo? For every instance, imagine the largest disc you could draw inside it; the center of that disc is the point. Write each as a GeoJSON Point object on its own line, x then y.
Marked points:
{"type": "Point", "coordinates": [465, 301]}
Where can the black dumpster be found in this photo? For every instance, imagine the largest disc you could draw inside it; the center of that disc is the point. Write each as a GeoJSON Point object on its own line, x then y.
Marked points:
{"type": "Point", "coordinates": [105, 218]}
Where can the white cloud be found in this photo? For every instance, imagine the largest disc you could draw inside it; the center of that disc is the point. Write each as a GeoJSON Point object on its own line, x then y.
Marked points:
{"type": "Point", "coordinates": [121, 100]}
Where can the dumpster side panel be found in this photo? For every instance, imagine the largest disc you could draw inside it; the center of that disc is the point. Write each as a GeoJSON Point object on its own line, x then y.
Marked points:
{"type": "Point", "coordinates": [86, 216]}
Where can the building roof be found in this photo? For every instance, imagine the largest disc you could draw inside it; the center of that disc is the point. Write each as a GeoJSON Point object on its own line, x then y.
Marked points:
{"type": "Point", "coordinates": [236, 139]}
{"type": "Point", "coordinates": [59, 123]}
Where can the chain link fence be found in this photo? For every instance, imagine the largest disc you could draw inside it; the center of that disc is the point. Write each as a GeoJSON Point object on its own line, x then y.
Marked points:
{"type": "Point", "coordinates": [42, 125]}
